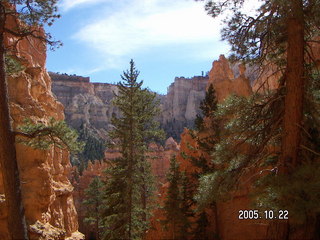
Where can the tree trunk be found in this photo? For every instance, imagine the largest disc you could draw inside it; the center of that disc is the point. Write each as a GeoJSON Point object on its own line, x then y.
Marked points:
{"type": "Point", "coordinates": [10, 172]}
{"type": "Point", "coordinates": [295, 80]}
{"type": "Point", "coordinates": [293, 112]}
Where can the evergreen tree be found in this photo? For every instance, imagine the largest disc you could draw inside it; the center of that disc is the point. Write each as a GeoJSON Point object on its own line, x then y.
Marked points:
{"type": "Point", "coordinates": [42, 136]}
{"type": "Point", "coordinates": [32, 13]}
{"type": "Point", "coordinates": [94, 203]}
{"type": "Point", "coordinates": [178, 202]}
{"type": "Point", "coordinates": [207, 136]}
{"type": "Point", "coordinates": [94, 148]}
{"type": "Point", "coordinates": [277, 37]}
{"type": "Point", "coordinates": [187, 202]}
{"type": "Point", "coordinates": [129, 181]}
{"type": "Point", "coordinates": [207, 126]}
{"type": "Point", "coordinates": [281, 34]}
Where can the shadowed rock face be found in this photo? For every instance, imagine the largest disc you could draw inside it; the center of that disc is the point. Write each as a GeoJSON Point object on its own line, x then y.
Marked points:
{"type": "Point", "coordinates": [90, 103]}
{"type": "Point", "coordinates": [46, 191]}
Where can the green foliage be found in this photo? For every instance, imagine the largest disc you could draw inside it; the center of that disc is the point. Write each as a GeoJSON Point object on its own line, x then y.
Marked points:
{"type": "Point", "coordinates": [41, 136]}
{"type": "Point", "coordinates": [178, 202]}
{"type": "Point", "coordinates": [245, 141]}
{"type": "Point", "coordinates": [299, 192]}
{"type": "Point", "coordinates": [33, 14]}
{"type": "Point", "coordinates": [12, 65]}
{"type": "Point", "coordinates": [251, 134]}
{"type": "Point", "coordinates": [174, 128]}
{"type": "Point", "coordinates": [37, 12]}
{"type": "Point", "coordinates": [199, 123]}
{"type": "Point", "coordinates": [129, 181]}
{"type": "Point", "coordinates": [116, 200]}
{"type": "Point", "coordinates": [260, 36]}
{"type": "Point", "coordinates": [249, 140]}
{"type": "Point", "coordinates": [94, 205]}
{"type": "Point", "coordinates": [207, 135]}
{"type": "Point", "coordinates": [94, 148]}
{"type": "Point", "coordinates": [208, 105]}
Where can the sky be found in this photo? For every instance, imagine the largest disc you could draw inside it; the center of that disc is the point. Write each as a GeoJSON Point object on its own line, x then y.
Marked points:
{"type": "Point", "coordinates": [165, 38]}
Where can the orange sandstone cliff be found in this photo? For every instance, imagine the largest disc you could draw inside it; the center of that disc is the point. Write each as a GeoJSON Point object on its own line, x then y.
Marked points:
{"type": "Point", "coordinates": [46, 191]}
{"type": "Point", "coordinates": [224, 81]}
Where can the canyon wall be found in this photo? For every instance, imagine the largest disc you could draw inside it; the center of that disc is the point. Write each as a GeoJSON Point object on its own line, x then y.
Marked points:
{"type": "Point", "coordinates": [181, 104]}
{"type": "Point", "coordinates": [85, 103]}
{"type": "Point", "coordinates": [90, 103]}
{"type": "Point", "coordinates": [46, 191]}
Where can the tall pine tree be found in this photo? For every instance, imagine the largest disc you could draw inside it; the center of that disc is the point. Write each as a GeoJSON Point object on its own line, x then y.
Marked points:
{"type": "Point", "coordinates": [270, 130]}
{"type": "Point", "coordinates": [207, 135]}
{"type": "Point", "coordinates": [178, 203]}
{"type": "Point", "coordinates": [129, 181]}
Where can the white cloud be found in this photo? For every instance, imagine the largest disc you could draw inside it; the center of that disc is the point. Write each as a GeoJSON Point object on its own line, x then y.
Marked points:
{"type": "Point", "coordinates": [140, 25]}
{"type": "Point", "coordinates": [66, 5]}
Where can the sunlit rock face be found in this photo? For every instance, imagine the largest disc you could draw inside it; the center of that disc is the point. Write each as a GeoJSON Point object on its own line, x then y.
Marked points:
{"type": "Point", "coordinates": [181, 104]}
{"type": "Point", "coordinates": [46, 191]}
{"type": "Point", "coordinates": [85, 103]}
{"type": "Point", "coordinates": [225, 82]}
{"type": "Point", "coordinates": [90, 103]}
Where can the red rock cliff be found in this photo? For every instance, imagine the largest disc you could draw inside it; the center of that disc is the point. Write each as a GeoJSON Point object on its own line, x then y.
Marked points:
{"type": "Point", "coordinates": [224, 81]}
{"type": "Point", "coordinates": [46, 191]}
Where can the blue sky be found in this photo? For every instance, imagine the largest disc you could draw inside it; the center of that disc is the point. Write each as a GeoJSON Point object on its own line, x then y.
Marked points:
{"type": "Point", "coordinates": [165, 38]}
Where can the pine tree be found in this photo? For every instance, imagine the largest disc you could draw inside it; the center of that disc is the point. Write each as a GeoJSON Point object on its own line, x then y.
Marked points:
{"type": "Point", "coordinates": [187, 202]}
{"type": "Point", "coordinates": [207, 136]}
{"type": "Point", "coordinates": [94, 148]}
{"type": "Point", "coordinates": [35, 13]}
{"type": "Point", "coordinates": [42, 136]}
{"type": "Point", "coordinates": [94, 203]}
{"type": "Point", "coordinates": [129, 181]}
{"type": "Point", "coordinates": [178, 202]}
{"type": "Point", "coordinates": [281, 34]}
{"type": "Point", "coordinates": [207, 126]}
{"type": "Point", "coordinates": [207, 106]}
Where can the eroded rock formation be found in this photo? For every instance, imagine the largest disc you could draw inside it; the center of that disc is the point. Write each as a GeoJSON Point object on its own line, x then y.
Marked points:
{"type": "Point", "coordinates": [224, 81]}
{"type": "Point", "coordinates": [46, 191]}
{"type": "Point", "coordinates": [181, 104]}
{"type": "Point", "coordinates": [90, 103]}
{"type": "Point", "coordinates": [85, 102]}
